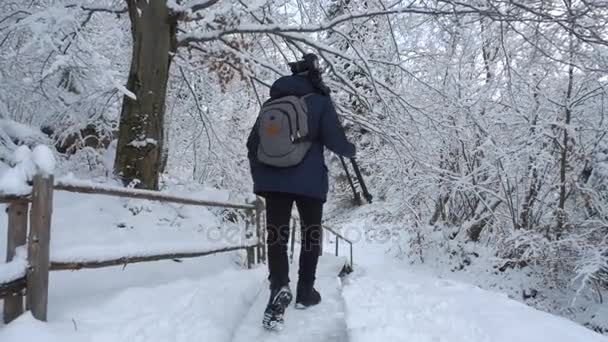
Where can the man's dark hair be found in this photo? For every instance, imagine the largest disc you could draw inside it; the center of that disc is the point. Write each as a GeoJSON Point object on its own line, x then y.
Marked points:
{"type": "Point", "coordinates": [310, 65]}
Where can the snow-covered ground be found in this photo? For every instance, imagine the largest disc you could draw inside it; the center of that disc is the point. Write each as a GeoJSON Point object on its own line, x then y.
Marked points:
{"type": "Point", "coordinates": [215, 299]}
{"type": "Point", "coordinates": [114, 228]}
{"type": "Point", "coordinates": [139, 301]}
{"type": "Point", "coordinates": [386, 301]}
{"type": "Point", "coordinates": [164, 301]}
{"type": "Point", "coordinates": [379, 228]}
{"type": "Point", "coordinates": [95, 227]}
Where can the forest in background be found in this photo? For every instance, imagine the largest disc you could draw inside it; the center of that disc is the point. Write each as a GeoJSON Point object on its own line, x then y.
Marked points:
{"type": "Point", "coordinates": [481, 122]}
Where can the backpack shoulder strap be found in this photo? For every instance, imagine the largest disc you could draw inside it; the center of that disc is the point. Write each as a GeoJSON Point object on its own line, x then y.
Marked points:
{"type": "Point", "coordinates": [303, 100]}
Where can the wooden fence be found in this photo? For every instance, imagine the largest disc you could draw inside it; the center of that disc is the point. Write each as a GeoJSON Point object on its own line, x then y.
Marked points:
{"type": "Point", "coordinates": [348, 267]}
{"type": "Point", "coordinates": [38, 208]}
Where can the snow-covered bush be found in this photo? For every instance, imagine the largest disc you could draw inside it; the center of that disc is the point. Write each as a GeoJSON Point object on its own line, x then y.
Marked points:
{"type": "Point", "coordinates": [27, 163]}
{"type": "Point", "coordinates": [14, 134]}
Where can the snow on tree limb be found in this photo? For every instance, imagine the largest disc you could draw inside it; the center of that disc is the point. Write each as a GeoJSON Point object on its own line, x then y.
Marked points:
{"type": "Point", "coordinates": [190, 37]}
{"type": "Point", "coordinates": [190, 6]}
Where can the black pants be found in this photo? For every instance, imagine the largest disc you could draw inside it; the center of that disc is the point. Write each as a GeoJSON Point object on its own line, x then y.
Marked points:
{"type": "Point", "coordinates": [278, 215]}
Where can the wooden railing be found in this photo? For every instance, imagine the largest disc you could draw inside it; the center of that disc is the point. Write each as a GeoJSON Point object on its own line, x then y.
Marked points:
{"type": "Point", "coordinates": [347, 268]}
{"type": "Point", "coordinates": [337, 244]}
{"type": "Point", "coordinates": [33, 285]}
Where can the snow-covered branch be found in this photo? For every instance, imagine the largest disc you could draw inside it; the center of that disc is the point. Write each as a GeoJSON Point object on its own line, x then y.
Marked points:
{"type": "Point", "coordinates": [191, 6]}
{"type": "Point", "coordinates": [103, 9]}
{"type": "Point", "coordinates": [204, 36]}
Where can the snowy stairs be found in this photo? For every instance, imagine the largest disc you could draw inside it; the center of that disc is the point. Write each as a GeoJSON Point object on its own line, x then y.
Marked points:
{"type": "Point", "coordinates": [322, 323]}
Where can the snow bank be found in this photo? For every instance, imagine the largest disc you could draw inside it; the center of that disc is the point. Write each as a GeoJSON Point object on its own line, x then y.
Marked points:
{"type": "Point", "coordinates": [22, 134]}
{"type": "Point", "coordinates": [130, 228]}
{"type": "Point", "coordinates": [27, 328]}
{"type": "Point", "coordinates": [394, 305]}
{"type": "Point", "coordinates": [200, 309]}
{"type": "Point", "coordinates": [109, 156]}
{"type": "Point", "coordinates": [14, 180]}
{"type": "Point", "coordinates": [15, 269]}
{"type": "Point", "coordinates": [44, 159]}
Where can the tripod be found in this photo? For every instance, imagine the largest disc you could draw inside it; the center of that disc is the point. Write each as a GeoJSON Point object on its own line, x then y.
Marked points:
{"type": "Point", "coordinates": [366, 194]}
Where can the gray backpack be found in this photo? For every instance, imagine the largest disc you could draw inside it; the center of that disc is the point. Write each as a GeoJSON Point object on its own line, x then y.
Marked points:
{"type": "Point", "coordinates": [283, 132]}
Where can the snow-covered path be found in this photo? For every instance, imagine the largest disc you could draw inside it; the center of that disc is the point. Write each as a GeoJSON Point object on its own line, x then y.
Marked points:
{"type": "Point", "coordinates": [322, 323]}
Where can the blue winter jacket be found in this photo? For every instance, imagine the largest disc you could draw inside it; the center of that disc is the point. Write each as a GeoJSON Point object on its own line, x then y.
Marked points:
{"type": "Point", "coordinates": [309, 178]}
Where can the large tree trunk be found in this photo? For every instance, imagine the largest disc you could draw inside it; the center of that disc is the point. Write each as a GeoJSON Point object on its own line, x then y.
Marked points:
{"type": "Point", "coordinates": [563, 167]}
{"type": "Point", "coordinates": [140, 137]}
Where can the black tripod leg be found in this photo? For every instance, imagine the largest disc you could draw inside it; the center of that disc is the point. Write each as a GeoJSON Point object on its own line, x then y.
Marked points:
{"type": "Point", "coordinates": [366, 193]}
{"type": "Point", "coordinates": [350, 181]}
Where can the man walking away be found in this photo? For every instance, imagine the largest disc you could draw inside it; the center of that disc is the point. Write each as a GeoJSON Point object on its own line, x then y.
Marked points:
{"type": "Point", "coordinates": [287, 164]}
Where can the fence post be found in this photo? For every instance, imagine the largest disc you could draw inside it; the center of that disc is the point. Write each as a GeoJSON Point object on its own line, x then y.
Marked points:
{"type": "Point", "coordinates": [292, 240]}
{"type": "Point", "coordinates": [321, 240]}
{"type": "Point", "coordinates": [337, 240]}
{"type": "Point", "coordinates": [39, 247]}
{"type": "Point", "coordinates": [264, 238]}
{"type": "Point", "coordinates": [259, 209]}
{"type": "Point", "coordinates": [17, 235]}
{"type": "Point", "coordinates": [248, 235]}
{"type": "Point", "coordinates": [352, 265]}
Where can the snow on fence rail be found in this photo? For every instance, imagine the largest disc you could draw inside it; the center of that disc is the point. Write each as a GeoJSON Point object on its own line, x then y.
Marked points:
{"type": "Point", "coordinates": [12, 288]}
{"type": "Point", "coordinates": [92, 188]}
{"type": "Point", "coordinates": [27, 273]}
{"type": "Point", "coordinates": [77, 265]}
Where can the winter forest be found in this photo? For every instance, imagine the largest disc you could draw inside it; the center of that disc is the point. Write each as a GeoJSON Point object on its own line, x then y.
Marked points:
{"type": "Point", "coordinates": [481, 125]}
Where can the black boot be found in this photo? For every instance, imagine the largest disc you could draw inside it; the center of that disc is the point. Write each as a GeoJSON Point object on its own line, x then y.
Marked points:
{"type": "Point", "coordinates": [280, 298]}
{"type": "Point", "coordinates": [307, 296]}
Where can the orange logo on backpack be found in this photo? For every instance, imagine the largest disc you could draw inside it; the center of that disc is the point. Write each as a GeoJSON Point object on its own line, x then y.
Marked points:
{"type": "Point", "coordinates": [272, 130]}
